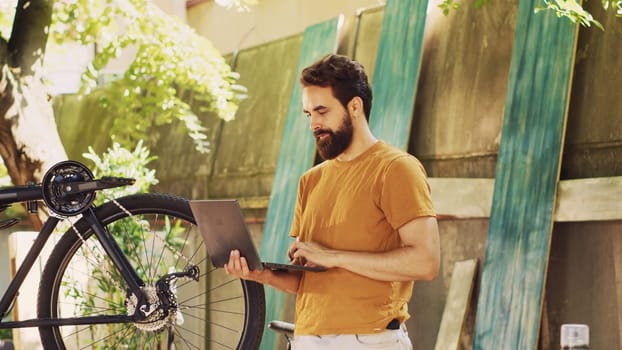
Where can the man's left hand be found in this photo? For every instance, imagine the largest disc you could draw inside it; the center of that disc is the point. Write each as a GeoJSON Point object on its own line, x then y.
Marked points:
{"type": "Point", "coordinates": [312, 254]}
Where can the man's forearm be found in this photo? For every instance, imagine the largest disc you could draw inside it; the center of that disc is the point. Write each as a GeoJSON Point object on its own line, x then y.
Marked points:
{"type": "Point", "coordinates": [402, 264]}
{"type": "Point", "coordinates": [285, 281]}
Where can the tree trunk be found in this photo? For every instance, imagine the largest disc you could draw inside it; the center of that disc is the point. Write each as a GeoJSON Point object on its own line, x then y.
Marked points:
{"type": "Point", "coordinates": [29, 140]}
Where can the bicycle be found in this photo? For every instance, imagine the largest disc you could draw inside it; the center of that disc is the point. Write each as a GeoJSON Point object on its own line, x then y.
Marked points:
{"type": "Point", "coordinates": [131, 273]}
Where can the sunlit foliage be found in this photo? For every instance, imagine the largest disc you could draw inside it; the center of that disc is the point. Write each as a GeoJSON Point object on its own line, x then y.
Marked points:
{"type": "Point", "coordinates": [173, 74]}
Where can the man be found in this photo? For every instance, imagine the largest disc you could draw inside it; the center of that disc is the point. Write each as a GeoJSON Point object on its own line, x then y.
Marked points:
{"type": "Point", "coordinates": [365, 214]}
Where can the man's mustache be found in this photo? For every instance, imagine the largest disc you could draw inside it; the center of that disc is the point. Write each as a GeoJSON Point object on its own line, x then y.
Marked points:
{"type": "Point", "coordinates": [318, 132]}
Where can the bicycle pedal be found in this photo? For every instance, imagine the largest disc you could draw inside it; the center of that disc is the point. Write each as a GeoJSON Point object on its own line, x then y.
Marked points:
{"type": "Point", "coordinates": [8, 223]}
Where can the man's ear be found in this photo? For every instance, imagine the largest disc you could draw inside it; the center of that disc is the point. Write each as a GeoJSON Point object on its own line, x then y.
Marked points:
{"type": "Point", "coordinates": [355, 106]}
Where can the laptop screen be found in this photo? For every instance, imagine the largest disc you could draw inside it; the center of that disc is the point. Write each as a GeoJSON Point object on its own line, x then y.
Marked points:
{"type": "Point", "coordinates": [224, 229]}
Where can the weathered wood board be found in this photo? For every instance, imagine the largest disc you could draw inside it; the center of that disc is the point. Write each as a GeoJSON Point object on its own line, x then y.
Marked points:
{"type": "Point", "coordinates": [456, 305]}
{"type": "Point", "coordinates": [593, 199]}
{"type": "Point", "coordinates": [521, 221]}
{"type": "Point", "coordinates": [295, 156]}
{"type": "Point", "coordinates": [396, 71]}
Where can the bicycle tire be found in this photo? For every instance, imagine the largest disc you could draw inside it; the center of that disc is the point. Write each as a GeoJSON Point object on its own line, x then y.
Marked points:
{"type": "Point", "coordinates": [76, 282]}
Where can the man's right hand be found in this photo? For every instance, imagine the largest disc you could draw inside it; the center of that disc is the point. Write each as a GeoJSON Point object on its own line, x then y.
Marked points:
{"type": "Point", "coordinates": [238, 266]}
{"type": "Point", "coordinates": [286, 281]}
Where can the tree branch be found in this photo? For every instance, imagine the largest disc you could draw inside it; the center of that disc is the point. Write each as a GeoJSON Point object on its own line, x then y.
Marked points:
{"type": "Point", "coordinates": [3, 51]}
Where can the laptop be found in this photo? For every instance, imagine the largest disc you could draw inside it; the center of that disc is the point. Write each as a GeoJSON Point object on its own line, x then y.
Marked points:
{"type": "Point", "coordinates": [224, 229]}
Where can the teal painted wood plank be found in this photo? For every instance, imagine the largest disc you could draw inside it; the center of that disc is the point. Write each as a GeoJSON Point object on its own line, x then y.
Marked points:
{"type": "Point", "coordinates": [396, 72]}
{"type": "Point", "coordinates": [514, 272]}
{"type": "Point", "coordinates": [295, 156]}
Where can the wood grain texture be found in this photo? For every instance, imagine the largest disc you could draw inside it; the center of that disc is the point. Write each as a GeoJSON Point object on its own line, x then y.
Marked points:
{"type": "Point", "coordinates": [461, 198]}
{"type": "Point", "coordinates": [514, 272]}
{"type": "Point", "coordinates": [396, 71]}
{"type": "Point", "coordinates": [295, 157]}
{"type": "Point", "coordinates": [593, 199]}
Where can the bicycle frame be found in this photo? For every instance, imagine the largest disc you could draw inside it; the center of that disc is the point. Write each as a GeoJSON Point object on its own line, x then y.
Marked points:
{"type": "Point", "coordinates": [19, 194]}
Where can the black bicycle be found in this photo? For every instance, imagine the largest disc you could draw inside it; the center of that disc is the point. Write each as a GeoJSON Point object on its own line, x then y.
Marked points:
{"type": "Point", "coordinates": [131, 273]}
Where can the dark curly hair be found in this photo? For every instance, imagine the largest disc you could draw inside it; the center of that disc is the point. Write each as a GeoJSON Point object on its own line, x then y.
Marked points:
{"type": "Point", "coordinates": [346, 77]}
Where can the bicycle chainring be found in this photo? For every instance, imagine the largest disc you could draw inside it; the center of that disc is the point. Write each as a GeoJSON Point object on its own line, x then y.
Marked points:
{"type": "Point", "coordinates": [58, 176]}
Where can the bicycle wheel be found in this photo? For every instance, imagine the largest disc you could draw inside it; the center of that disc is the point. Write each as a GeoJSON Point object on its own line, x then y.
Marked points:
{"type": "Point", "coordinates": [159, 238]}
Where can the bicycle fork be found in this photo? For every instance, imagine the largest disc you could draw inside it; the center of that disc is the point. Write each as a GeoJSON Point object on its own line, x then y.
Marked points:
{"type": "Point", "coordinates": [164, 286]}
{"type": "Point", "coordinates": [129, 274]}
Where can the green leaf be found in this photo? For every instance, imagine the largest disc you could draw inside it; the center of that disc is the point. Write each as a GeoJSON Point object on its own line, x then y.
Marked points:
{"type": "Point", "coordinates": [571, 10]}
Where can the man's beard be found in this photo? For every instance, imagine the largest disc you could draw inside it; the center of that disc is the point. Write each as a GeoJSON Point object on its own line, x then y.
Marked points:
{"type": "Point", "coordinates": [336, 142]}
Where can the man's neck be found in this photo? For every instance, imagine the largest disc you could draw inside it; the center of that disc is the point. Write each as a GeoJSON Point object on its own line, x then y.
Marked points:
{"type": "Point", "coordinates": [360, 143]}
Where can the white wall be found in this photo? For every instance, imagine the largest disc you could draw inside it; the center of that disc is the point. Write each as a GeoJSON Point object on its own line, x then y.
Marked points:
{"type": "Point", "coordinates": [267, 21]}
{"type": "Point", "coordinates": [26, 302]}
{"type": "Point", "coordinates": [64, 78]}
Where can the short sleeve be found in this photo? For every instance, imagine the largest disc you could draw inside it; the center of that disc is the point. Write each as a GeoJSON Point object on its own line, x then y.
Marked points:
{"type": "Point", "coordinates": [295, 227]}
{"type": "Point", "coordinates": [405, 192]}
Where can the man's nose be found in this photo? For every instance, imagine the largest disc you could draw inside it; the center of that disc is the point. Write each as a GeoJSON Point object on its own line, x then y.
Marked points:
{"type": "Point", "coordinates": [314, 123]}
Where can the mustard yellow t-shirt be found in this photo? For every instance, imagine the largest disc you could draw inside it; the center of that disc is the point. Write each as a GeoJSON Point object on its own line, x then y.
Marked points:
{"type": "Point", "coordinates": [357, 205]}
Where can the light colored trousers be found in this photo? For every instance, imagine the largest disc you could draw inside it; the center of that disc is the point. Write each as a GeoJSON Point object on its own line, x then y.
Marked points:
{"type": "Point", "coordinates": [385, 340]}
